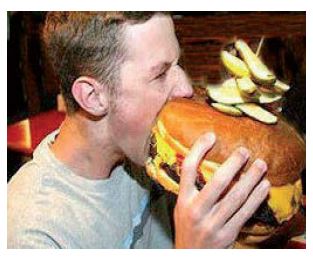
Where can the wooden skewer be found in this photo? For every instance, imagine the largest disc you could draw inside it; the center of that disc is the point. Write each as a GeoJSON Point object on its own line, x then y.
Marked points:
{"type": "Point", "coordinates": [260, 46]}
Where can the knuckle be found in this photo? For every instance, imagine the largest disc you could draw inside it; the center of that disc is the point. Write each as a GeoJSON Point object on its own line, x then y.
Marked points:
{"type": "Point", "coordinates": [187, 164]}
{"type": "Point", "coordinates": [232, 235]}
{"type": "Point", "coordinates": [209, 231]}
{"type": "Point", "coordinates": [218, 184]}
{"type": "Point", "coordinates": [237, 196]}
{"type": "Point", "coordinates": [246, 214]}
{"type": "Point", "coordinates": [193, 215]}
{"type": "Point", "coordinates": [219, 238]}
{"type": "Point", "coordinates": [225, 237]}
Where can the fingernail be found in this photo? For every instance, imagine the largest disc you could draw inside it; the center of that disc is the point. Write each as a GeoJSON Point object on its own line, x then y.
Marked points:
{"type": "Point", "coordinates": [265, 183]}
{"type": "Point", "coordinates": [244, 152]}
{"type": "Point", "coordinates": [211, 136]}
{"type": "Point", "coordinates": [261, 164]}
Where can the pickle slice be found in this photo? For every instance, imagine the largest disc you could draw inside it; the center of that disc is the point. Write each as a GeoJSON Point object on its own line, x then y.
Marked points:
{"type": "Point", "coordinates": [257, 112]}
{"type": "Point", "coordinates": [234, 65]}
{"type": "Point", "coordinates": [281, 87]}
{"type": "Point", "coordinates": [259, 71]}
{"type": "Point", "coordinates": [228, 109]}
{"type": "Point", "coordinates": [246, 85]}
{"type": "Point", "coordinates": [267, 98]}
{"type": "Point", "coordinates": [227, 93]}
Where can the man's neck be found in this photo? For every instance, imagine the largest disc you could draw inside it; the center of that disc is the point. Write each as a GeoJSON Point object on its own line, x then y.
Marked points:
{"type": "Point", "coordinates": [85, 149]}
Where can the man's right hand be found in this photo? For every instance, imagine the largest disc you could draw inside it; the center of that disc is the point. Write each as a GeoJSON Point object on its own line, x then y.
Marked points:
{"type": "Point", "coordinates": [202, 218]}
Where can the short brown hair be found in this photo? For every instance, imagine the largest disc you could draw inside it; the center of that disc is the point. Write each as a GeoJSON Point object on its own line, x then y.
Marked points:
{"type": "Point", "coordinates": [87, 44]}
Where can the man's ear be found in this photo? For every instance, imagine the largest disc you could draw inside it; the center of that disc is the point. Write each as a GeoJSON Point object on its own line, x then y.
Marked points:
{"type": "Point", "coordinates": [91, 95]}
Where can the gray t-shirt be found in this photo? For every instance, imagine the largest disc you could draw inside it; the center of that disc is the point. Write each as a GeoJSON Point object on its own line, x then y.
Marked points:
{"type": "Point", "coordinates": [51, 207]}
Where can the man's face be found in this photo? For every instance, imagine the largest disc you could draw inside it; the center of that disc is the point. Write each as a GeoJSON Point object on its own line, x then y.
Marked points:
{"type": "Point", "coordinates": [148, 79]}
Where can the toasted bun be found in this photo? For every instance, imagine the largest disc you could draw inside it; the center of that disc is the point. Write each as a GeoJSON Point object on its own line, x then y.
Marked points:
{"type": "Point", "coordinates": [263, 236]}
{"type": "Point", "coordinates": [279, 145]}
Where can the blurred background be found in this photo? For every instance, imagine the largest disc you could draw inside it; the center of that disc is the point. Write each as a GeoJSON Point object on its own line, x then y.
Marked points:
{"type": "Point", "coordinates": [33, 109]}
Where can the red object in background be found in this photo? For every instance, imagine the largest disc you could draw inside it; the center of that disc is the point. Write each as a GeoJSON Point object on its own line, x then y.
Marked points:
{"type": "Point", "coordinates": [25, 135]}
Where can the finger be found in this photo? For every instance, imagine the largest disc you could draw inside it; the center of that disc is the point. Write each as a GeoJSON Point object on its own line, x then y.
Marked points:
{"type": "Point", "coordinates": [249, 207]}
{"type": "Point", "coordinates": [222, 177]}
{"type": "Point", "coordinates": [238, 194]}
{"type": "Point", "coordinates": [192, 161]}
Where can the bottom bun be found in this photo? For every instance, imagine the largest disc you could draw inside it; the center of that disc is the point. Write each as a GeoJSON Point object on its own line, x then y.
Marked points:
{"type": "Point", "coordinates": [258, 229]}
{"type": "Point", "coordinates": [262, 236]}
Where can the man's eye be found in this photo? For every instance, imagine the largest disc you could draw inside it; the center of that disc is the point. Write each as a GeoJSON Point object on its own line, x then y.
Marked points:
{"type": "Point", "coordinates": [161, 75]}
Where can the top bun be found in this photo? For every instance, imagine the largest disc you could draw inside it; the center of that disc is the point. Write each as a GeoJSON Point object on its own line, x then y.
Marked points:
{"type": "Point", "coordinates": [279, 145]}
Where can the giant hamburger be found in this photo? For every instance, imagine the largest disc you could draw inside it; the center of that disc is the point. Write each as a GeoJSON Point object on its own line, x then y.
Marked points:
{"type": "Point", "coordinates": [182, 121]}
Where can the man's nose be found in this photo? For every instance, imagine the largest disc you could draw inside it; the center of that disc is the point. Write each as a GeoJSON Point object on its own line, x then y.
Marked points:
{"type": "Point", "coordinates": [182, 85]}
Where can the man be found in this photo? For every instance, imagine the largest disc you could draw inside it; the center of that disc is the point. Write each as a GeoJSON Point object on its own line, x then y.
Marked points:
{"type": "Point", "coordinates": [117, 70]}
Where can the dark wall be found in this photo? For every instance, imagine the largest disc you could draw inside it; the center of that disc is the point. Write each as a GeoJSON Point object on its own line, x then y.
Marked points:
{"type": "Point", "coordinates": [32, 86]}
{"type": "Point", "coordinates": [16, 94]}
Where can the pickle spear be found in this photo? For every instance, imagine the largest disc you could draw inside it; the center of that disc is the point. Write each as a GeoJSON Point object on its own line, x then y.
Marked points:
{"type": "Point", "coordinates": [267, 98]}
{"type": "Point", "coordinates": [260, 73]}
{"type": "Point", "coordinates": [257, 112]}
{"type": "Point", "coordinates": [234, 65]}
{"type": "Point", "coordinates": [228, 109]}
{"type": "Point", "coordinates": [281, 87]}
{"type": "Point", "coordinates": [246, 85]}
{"type": "Point", "coordinates": [226, 93]}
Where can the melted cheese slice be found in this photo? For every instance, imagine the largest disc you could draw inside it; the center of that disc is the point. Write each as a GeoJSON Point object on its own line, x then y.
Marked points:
{"type": "Point", "coordinates": [285, 200]}
{"type": "Point", "coordinates": [165, 152]}
{"type": "Point", "coordinates": [165, 140]}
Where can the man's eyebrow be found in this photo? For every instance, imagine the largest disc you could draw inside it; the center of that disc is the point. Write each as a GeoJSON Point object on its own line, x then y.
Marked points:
{"type": "Point", "coordinates": [159, 67]}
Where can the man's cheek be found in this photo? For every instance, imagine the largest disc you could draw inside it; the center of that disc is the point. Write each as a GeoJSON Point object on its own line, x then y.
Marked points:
{"type": "Point", "coordinates": [137, 123]}
{"type": "Point", "coordinates": [140, 115]}
{"type": "Point", "coordinates": [129, 123]}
